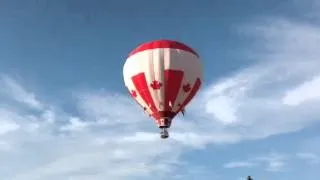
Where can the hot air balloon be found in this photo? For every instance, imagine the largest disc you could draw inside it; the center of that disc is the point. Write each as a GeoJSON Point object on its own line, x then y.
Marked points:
{"type": "Point", "coordinates": [163, 76]}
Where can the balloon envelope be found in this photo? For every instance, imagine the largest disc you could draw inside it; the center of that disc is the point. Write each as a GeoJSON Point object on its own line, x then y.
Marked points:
{"type": "Point", "coordinates": [163, 76]}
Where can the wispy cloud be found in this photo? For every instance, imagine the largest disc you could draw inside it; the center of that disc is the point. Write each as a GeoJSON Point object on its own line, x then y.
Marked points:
{"type": "Point", "coordinates": [18, 93]}
{"type": "Point", "coordinates": [51, 143]}
{"type": "Point", "coordinates": [272, 162]}
{"type": "Point", "coordinates": [239, 164]}
{"type": "Point", "coordinates": [276, 95]}
{"type": "Point", "coordinates": [309, 157]}
{"type": "Point", "coordinates": [307, 91]}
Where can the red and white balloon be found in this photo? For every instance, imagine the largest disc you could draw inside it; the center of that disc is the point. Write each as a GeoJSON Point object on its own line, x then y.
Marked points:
{"type": "Point", "coordinates": [163, 76]}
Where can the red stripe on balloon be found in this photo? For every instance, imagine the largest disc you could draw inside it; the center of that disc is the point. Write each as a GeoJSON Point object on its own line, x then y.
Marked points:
{"type": "Point", "coordinates": [163, 44]}
{"type": "Point", "coordinates": [192, 93]}
{"type": "Point", "coordinates": [173, 81]}
{"type": "Point", "coordinates": [141, 85]}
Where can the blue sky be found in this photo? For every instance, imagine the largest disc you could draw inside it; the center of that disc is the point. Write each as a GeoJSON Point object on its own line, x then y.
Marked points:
{"type": "Point", "coordinates": [65, 113]}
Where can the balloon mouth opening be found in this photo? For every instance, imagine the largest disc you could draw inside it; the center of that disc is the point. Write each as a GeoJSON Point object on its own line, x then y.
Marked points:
{"type": "Point", "coordinates": [164, 122]}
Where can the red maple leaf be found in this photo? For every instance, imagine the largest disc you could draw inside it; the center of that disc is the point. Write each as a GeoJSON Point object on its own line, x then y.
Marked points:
{"type": "Point", "coordinates": [156, 85]}
{"type": "Point", "coordinates": [133, 93]}
{"type": "Point", "coordinates": [186, 87]}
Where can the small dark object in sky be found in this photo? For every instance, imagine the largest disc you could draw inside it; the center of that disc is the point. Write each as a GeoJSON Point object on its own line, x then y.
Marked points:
{"type": "Point", "coordinates": [249, 178]}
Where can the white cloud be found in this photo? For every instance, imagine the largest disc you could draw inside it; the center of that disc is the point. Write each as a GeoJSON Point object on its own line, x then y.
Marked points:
{"type": "Point", "coordinates": [75, 124]}
{"type": "Point", "coordinates": [308, 90]}
{"type": "Point", "coordinates": [99, 143]}
{"type": "Point", "coordinates": [18, 93]}
{"type": "Point", "coordinates": [272, 162]}
{"type": "Point", "coordinates": [309, 157]}
{"type": "Point", "coordinates": [6, 124]}
{"type": "Point", "coordinates": [276, 95]}
{"type": "Point", "coordinates": [238, 164]}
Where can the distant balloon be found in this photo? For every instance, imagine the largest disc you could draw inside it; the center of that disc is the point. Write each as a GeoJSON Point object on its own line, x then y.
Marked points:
{"type": "Point", "coordinates": [163, 76]}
